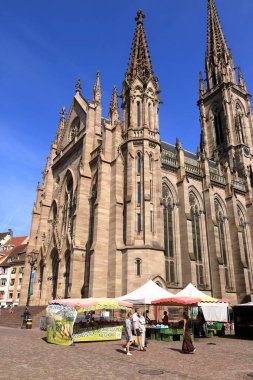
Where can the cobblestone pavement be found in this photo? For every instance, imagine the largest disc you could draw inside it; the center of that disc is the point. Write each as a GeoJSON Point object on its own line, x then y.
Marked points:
{"type": "Point", "coordinates": [26, 355]}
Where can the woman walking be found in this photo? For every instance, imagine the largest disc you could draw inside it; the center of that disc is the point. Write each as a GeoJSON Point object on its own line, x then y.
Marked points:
{"type": "Point", "coordinates": [187, 346]}
{"type": "Point", "coordinates": [128, 332]}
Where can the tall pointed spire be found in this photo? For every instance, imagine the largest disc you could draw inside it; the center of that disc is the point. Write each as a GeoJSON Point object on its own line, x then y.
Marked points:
{"type": "Point", "coordinates": [97, 90]}
{"type": "Point", "coordinates": [219, 60]}
{"type": "Point", "coordinates": [216, 43]}
{"type": "Point", "coordinates": [114, 108]}
{"type": "Point", "coordinates": [140, 63]}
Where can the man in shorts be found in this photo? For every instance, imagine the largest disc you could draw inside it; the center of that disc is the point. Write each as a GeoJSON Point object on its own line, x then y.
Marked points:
{"type": "Point", "coordinates": [136, 329]}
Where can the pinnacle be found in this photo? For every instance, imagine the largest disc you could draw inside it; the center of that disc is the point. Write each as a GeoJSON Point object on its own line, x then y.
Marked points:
{"type": "Point", "coordinates": [140, 63]}
{"type": "Point", "coordinates": [216, 43]}
{"type": "Point", "coordinates": [78, 86]}
{"type": "Point", "coordinates": [97, 89]}
{"type": "Point", "coordinates": [114, 102]}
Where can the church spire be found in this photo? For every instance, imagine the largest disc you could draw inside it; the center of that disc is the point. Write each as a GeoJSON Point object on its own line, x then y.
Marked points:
{"type": "Point", "coordinates": [219, 61]}
{"type": "Point", "coordinates": [97, 90]}
{"type": "Point", "coordinates": [216, 43]}
{"type": "Point", "coordinates": [140, 63]}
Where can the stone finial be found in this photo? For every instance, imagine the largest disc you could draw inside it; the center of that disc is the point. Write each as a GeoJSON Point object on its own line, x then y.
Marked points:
{"type": "Point", "coordinates": [140, 16]}
{"type": "Point", "coordinates": [78, 87]}
{"type": "Point", "coordinates": [63, 112]}
{"type": "Point", "coordinates": [114, 108]}
{"type": "Point", "coordinates": [178, 144]}
{"type": "Point", "coordinates": [241, 79]}
{"type": "Point", "coordinates": [202, 89]}
{"type": "Point", "coordinates": [96, 97]}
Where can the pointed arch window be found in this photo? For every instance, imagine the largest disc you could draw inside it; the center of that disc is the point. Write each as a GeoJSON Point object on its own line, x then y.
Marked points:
{"type": "Point", "coordinates": [218, 127]}
{"type": "Point", "coordinates": [246, 253]}
{"type": "Point", "coordinates": [138, 114]}
{"type": "Point", "coordinates": [138, 163]}
{"type": "Point", "coordinates": [149, 116]}
{"type": "Point", "coordinates": [239, 124]}
{"type": "Point", "coordinates": [69, 206]}
{"type": "Point", "coordinates": [223, 242]}
{"type": "Point", "coordinates": [67, 275]}
{"type": "Point", "coordinates": [169, 235]}
{"type": "Point", "coordinates": [74, 128]}
{"type": "Point", "coordinates": [55, 270]}
{"type": "Point", "coordinates": [138, 267]}
{"type": "Point", "coordinates": [196, 238]}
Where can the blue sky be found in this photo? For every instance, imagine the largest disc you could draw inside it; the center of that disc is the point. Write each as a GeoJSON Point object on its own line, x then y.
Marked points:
{"type": "Point", "coordinates": [46, 46]}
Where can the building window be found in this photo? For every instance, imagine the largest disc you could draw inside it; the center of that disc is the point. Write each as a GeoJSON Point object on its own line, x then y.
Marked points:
{"type": "Point", "coordinates": [196, 237]}
{"type": "Point", "coordinates": [18, 296]}
{"type": "Point", "coordinates": [20, 281]}
{"type": "Point", "coordinates": [138, 193]}
{"type": "Point", "coordinates": [151, 221]}
{"type": "Point", "coordinates": [246, 252]}
{"type": "Point", "coordinates": [138, 264]}
{"type": "Point", "coordinates": [218, 128]}
{"type": "Point", "coordinates": [168, 210]}
{"type": "Point", "coordinates": [150, 163]}
{"type": "Point", "coordinates": [10, 295]}
{"type": "Point", "coordinates": [138, 164]}
{"type": "Point", "coordinates": [239, 125]}
{"type": "Point", "coordinates": [138, 223]}
{"type": "Point", "coordinates": [223, 243]}
{"type": "Point", "coordinates": [151, 189]}
{"type": "Point", "coordinates": [13, 271]}
{"type": "Point", "coordinates": [149, 115]}
{"type": "Point", "coordinates": [138, 114]}
{"type": "Point", "coordinates": [3, 282]}
{"type": "Point", "coordinates": [12, 282]}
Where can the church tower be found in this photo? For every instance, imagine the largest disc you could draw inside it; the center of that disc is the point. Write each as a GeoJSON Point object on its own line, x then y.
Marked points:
{"type": "Point", "coordinates": [224, 103]}
{"type": "Point", "coordinates": [142, 216]}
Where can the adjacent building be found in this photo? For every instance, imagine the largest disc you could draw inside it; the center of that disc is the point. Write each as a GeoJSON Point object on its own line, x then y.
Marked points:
{"type": "Point", "coordinates": [118, 206]}
{"type": "Point", "coordinates": [11, 270]}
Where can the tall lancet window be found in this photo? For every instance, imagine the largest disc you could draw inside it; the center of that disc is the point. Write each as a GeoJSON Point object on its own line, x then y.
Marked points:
{"type": "Point", "coordinates": [169, 235]}
{"type": "Point", "coordinates": [196, 237]}
{"type": "Point", "coordinates": [149, 116]}
{"type": "Point", "coordinates": [138, 114]}
{"type": "Point", "coordinates": [218, 127]}
{"type": "Point", "coordinates": [223, 242]}
{"type": "Point", "coordinates": [69, 206]}
{"type": "Point", "coordinates": [239, 124]}
{"type": "Point", "coordinates": [243, 231]}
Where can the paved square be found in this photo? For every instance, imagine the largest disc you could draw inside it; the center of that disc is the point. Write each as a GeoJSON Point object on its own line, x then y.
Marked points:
{"type": "Point", "coordinates": [26, 355]}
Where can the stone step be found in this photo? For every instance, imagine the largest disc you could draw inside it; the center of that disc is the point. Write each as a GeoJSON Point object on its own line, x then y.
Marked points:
{"type": "Point", "coordinates": [15, 319]}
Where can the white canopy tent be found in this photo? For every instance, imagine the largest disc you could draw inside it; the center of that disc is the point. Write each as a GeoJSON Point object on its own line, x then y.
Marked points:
{"type": "Point", "coordinates": [147, 293]}
{"type": "Point", "coordinates": [213, 311]}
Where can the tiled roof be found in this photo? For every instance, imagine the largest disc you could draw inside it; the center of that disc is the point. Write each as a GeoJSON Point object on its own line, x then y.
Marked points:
{"type": "Point", "coordinates": [17, 254]}
{"type": "Point", "coordinates": [3, 234]}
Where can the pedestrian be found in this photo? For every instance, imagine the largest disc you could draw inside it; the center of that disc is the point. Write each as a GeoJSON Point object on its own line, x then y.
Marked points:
{"type": "Point", "coordinates": [146, 316]}
{"type": "Point", "coordinates": [165, 319]}
{"type": "Point", "coordinates": [187, 346]}
{"type": "Point", "coordinates": [142, 322]}
{"type": "Point", "coordinates": [136, 329]}
{"type": "Point", "coordinates": [128, 332]}
{"type": "Point", "coordinates": [11, 309]}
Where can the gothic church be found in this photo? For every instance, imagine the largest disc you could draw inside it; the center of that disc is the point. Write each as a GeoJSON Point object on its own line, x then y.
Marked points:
{"type": "Point", "coordinates": [118, 206]}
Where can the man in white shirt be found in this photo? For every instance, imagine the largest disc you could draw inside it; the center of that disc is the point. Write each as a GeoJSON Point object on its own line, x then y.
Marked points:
{"type": "Point", "coordinates": [136, 329]}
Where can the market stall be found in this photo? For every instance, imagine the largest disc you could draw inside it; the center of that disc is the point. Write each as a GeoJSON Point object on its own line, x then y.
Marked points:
{"type": "Point", "coordinates": [174, 330]}
{"type": "Point", "coordinates": [85, 320]}
{"type": "Point", "coordinates": [214, 309]}
{"type": "Point", "coordinates": [243, 316]}
{"type": "Point", "coordinates": [145, 294]}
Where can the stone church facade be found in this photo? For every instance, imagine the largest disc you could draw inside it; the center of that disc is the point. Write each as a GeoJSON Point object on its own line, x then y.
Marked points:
{"type": "Point", "coordinates": [118, 206]}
